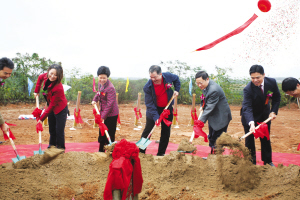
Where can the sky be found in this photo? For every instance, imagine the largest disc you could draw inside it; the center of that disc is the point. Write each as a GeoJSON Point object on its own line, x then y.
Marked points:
{"type": "Point", "coordinates": [130, 36]}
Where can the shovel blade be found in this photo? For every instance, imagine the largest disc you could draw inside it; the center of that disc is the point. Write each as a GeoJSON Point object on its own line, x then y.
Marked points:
{"type": "Point", "coordinates": [18, 158]}
{"type": "Point", "coordinates": [38, 152]}
{"type": "Point", "coordinates": [143, 143]}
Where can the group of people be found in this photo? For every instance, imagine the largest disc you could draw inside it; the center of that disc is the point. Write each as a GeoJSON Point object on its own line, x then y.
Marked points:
{"type": "Point", "coordinates": [159, 90]}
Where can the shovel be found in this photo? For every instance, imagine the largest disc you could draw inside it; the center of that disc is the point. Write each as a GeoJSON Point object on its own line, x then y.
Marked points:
{"type": "Point", "coordinates": [249, 133]}
{"type": "Point", "coordinates": [40, 134]}
{"type": "Point", "coordinates": [18, 158]}
{"type": "Point", "coordinates": [106, 133]}
{"type": "Point", "coordinates": [144, 142]}
{"type": "Point", "coordinates": [193, 134]}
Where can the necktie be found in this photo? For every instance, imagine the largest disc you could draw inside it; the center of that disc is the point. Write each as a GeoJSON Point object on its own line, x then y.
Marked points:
{"type": "Point", "coordinates": [261, 89]}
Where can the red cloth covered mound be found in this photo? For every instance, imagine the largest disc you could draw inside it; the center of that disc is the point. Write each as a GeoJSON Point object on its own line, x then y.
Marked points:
{"type": "Point", "coordinates": [121, 170]}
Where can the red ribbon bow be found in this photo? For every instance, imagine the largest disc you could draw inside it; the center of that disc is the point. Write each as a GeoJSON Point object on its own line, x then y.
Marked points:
{"type": "Point", "coordinates": [77, 116]}
{"type": "Point", "coordinates": [175, 114]}
{"type": "Point", "coordinates": [194, 114]}
{"type": "Point", "coordinates": [163, 117]}
{"type": "Point", "coordinates": [98, 121]}
{"type": "Point", "coordinates": [198, 125]}
{"type": "Point", "coordinates": [138, 116]}
{"type": "Point", "coordinates": [39, 127]}
{"type": "Point", "coordinates": [37, 113]}
{"type": "Point", "coordinates": [262, 131]}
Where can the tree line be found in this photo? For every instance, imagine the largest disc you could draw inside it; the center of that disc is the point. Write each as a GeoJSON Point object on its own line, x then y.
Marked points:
{"type": "Point", "coordinates": [27, 66]}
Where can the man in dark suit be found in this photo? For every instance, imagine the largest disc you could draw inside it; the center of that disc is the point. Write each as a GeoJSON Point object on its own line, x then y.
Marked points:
{"type": "Point", "coordinates": [215, 108]}
{"type": "Point", "coordinates": [256, 109]}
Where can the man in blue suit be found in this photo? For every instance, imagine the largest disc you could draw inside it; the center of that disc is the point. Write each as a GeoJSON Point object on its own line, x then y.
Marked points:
{"type": "Point", "coordinates": [256, 109]}
{"type": "Point", "coordinates": [158, 92]}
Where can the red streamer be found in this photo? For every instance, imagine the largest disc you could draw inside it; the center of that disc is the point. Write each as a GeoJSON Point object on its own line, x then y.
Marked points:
{"type": "Point", "coordinates": [119, 121]}
{"type": "Point", "coordinates": [39, 127]}
{"type": "Point", "coordinates": [94, 85]}
{"type": "Point", "coordinates": [163, 117]}
{"type": "Point", "coordinates": [37, 113]}
{"type": "Point", "coordinates": [198, 125]}
{"type": "Point", "coordinates": [77, 116]}
{"type": "Point", "coordinates": [11, 135]}
{"type": "Point", "coordinates": [262, 131]}
{"type": "Point", "coordinates": [138, 116]}
{"type": "Point", "coordinates": [235, 32]}
{"type": "Point", "coordinates": [121, 171]}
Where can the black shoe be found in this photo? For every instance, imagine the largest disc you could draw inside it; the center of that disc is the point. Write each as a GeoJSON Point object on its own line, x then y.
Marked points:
{"type": "Point", "coordinates": [160, 154]}
{"type": "Point", "coordinates": [271, 164]}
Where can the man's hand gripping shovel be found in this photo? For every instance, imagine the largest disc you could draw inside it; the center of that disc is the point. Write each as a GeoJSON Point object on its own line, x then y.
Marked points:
{"type": "Point", "coordinates": [144, 142]}
{"type": "Point", "coordinates": [257, 134]}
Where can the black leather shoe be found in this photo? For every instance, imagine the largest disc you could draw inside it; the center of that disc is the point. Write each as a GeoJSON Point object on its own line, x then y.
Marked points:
{"type": "Point", "coordinates": [271, 164]}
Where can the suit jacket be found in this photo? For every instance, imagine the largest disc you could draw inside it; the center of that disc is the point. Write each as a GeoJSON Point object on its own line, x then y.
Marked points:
{"type": "Point", "coordinates": [216, 109]}
{"type": "Point", "coordinates": [254, 107]}
{"type": "Point", "coordinates": [56, 96]}
{"type": "Point", "coordinates": [108, 100]}
{"type": "Point", "coordinates": [150, 97]}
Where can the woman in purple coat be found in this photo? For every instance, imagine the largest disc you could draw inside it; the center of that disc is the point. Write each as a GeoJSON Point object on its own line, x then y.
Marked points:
{"type": "Point", "coordinates": [109, 110]}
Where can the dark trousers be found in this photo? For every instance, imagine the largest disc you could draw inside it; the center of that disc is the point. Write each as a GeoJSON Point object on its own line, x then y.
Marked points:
{"type": "Point", "coordinates": [57, 123]}
{"type": "Point", "coordinates": [266, 149]}
{"type": "Point", "coordinates": [111, 123]}
{"type": "Point", "coordinates": [214, 135]}
{"type": "Point", "coordinates": [165, 131]}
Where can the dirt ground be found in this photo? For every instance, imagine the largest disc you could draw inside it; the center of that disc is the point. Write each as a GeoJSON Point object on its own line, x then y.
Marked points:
{"type": "Point", "coordinates": [175, 176]}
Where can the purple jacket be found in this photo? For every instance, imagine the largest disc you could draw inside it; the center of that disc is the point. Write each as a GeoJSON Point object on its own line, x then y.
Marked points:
{"type": "Point", "coordinates": [108, 102]}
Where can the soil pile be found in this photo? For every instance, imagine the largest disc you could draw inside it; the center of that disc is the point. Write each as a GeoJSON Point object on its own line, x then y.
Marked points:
{"type": "Point", "coordinates": [185, 145]}
{"type": "Point", "coordinates": [174, 176]}
{"type": "Point", "coordinates": [236, 170]}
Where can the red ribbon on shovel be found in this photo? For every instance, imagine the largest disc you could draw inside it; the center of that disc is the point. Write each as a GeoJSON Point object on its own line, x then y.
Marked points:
{"type": "Point", "coordinates": [37, 113]}
{"type": "Point", "coordinates": [298, 147]}
{"type": "Point", "coordinates": [11, 135]}
{"type": "Point", "coordinates": [163, 117]}
{"type": "Point", "coordinates": [262, 131]}
{"type": "Point", "coordinates": [39, 127]}
{"type": "Point", "coordinates": [98, 121]}
{"type": "Point", "coordinates": [194, 114]}
{"type": "Point", "coordinates": [118, 120]}
{"type": "Point", "coordinates": [198, 125]}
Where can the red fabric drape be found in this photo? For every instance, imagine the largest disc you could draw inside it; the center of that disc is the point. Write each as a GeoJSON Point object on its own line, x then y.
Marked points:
{"type": "Point", "coordinates": [163, 117]}
{"type": "Point", "coordinates": [98, 121]}
{"type": "Point", "coordinates": [138, 116]}
{"type": "Point", "coordinates": [37, 113]}
{"type": "Point", "coordinates": [77, 116]}
{"type": "Point", "coordinates": [262, 131]}
{"type": "Point", "coordinates": [121, 170]}
{"type": "Point", "coordinates": [235, 32]}
{"type": "Point", "coordinates": [175, 114]}
{"type": "Point", "coordinates": [39, 127]}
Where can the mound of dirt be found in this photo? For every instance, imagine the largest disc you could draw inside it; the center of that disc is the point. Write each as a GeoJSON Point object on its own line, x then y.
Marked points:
{"type": "Point", "coordinates": [175, 176]}
{"type": "Point", "coordinates": [185, 145]}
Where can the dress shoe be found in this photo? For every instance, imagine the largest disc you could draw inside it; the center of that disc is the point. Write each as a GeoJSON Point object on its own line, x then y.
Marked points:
{"type": "Point", "coordinates": [271, 164]}
{"type": "Point", "coordinates": [160, 154]}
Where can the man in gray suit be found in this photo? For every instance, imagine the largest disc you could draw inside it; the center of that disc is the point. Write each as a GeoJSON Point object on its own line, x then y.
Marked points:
{"type": "Point", "coordinates": [215, 108]}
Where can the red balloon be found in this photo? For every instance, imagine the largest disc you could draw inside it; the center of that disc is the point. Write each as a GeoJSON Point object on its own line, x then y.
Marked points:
{"type": "Point", "coordinates": [264, 5]}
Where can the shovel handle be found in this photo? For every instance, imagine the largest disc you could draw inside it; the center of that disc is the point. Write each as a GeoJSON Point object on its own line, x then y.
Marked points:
{"type": "Point", "coordinates": [96, 108]}
{"type": "Point", "coordinates": [249, 133]}
{"type": "Point", "coordinates": [170, 102]}
{"type": "Point", "coordinates": [37, 101]}
{"type": "Point", "coordinates": [193, 135]}
{"type": "Point", "coordinates": [11, 141]}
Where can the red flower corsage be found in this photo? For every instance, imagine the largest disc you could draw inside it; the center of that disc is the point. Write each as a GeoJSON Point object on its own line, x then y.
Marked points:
{"type": "Point", "coordinates": [269, 94]}
{"type": "Point", "coordinates": [202, 97]}
{"type": "Point", "coordinates": [168, 85]}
